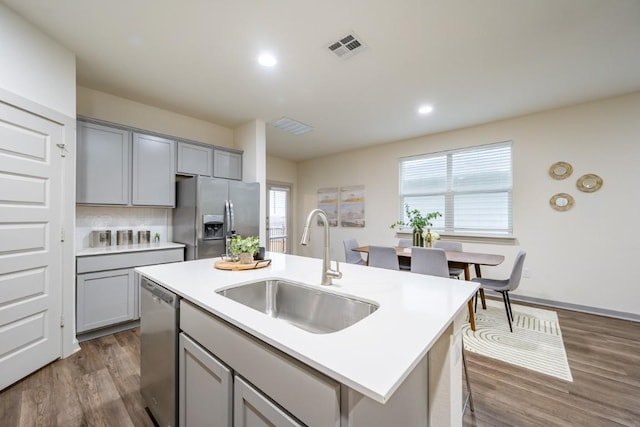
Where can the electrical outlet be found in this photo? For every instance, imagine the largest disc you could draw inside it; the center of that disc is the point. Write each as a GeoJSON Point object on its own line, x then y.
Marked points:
{"type": "Point", "coordinates": [526, 273]}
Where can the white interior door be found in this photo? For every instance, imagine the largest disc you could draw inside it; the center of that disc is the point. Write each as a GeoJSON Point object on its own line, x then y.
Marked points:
{"type": "Point", "coordinates": [30, 242]}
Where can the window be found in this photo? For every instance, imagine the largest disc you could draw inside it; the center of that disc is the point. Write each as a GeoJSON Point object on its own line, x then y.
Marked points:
{"type": "Point", "coordinates": [471, 187]}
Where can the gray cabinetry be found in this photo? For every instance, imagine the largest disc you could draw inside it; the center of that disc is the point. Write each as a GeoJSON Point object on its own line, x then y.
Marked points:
{"type": "Point", "coordinates": [105, 298]}
{"type": "Point", "coordinates": [227, 164]}
{"type": "Point", "coordinates": [252, 409]}
{"type": "Point", "coordinates": [107, 293]}
{"type": "Point", "coordinates": [103, 164]}
{"type": "Point", "coordinates": [153, 171]}
{"type": "Point", "coordinates": [205, 387]}
{"type": "Point", "coordinates": [194, 159]}
{"type": "Point", "coordinates": [287, 389]}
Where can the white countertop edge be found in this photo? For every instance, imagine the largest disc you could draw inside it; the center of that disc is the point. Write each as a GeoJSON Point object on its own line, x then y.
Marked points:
{"type": "Point", "coordinates": [361, 377]}
{"type": "Point", "coordinates": [118, 249]}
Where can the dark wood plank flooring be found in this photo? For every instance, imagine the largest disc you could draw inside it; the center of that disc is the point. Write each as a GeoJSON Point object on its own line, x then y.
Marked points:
{"type": "Point", "coordinates": [99, 386]}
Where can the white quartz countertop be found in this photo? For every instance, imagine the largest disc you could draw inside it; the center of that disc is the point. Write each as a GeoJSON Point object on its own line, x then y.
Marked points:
{"type": "Point", "coordinates": [372, 356]}
{"type": "Point", "coordinates": [118, 249]}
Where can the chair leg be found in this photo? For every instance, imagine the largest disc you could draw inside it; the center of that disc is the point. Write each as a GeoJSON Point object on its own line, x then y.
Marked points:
{"type": "Point", "coordinates": [509, 302]}
{"type": "Point", "coordinates": [507, 308]}
{"type": "Point", "coordinates": [466, 376]}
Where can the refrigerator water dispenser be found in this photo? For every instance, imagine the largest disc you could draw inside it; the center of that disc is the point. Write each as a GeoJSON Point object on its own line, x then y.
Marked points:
{"type": "Point", "coordinates": [212, 227]}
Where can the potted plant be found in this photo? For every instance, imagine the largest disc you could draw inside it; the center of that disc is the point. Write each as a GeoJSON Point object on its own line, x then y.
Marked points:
{"type": "Point", "coordinates": [245, 248]}
{"type": "Point", "coordinates": [417, 222]}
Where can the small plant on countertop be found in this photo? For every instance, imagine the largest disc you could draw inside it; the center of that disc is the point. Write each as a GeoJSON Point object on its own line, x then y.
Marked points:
{"type": "Point", "coordinates": [245, 245]}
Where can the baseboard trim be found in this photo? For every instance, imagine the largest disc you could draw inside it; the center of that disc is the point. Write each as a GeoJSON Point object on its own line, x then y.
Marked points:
{"type": "Point", "coordinates": [577, 307]}
{"type": "Point", "coordinates": [97, 333]}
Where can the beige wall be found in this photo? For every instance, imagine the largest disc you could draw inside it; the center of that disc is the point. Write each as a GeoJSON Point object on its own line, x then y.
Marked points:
{"type": "Point", "coordinates": [103, 106]}
{"type": "Point", "coordinates": [575, 257]}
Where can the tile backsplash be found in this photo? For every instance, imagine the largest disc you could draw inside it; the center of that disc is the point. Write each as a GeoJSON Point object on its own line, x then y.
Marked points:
{"type": "Point", "coordinates": [89, 218]}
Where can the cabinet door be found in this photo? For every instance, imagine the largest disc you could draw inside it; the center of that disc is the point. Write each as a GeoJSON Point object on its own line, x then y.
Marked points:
{"type": "Point", "coordinates": [252, 409]}
{"type": "Point", "coordinates": [195, 159]}
{"type": "Point", "coordinates": [205, 387]}
{"type": "Point", "coordinates": [103, 164]}
{"type": "Point", "coordinates": [104, 299]}
{"type": "Point", "coordinates": [154, 171]}
{"type": "Point", "coordinates": [227, 164]}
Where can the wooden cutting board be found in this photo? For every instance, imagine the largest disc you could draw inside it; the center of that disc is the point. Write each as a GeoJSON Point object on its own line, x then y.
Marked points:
{"type": "Point", "coordinates": [236, 266]}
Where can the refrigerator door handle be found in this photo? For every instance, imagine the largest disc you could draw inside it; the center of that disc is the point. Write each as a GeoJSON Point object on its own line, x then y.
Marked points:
{"type": "Point", "coordinates": [231, 216]}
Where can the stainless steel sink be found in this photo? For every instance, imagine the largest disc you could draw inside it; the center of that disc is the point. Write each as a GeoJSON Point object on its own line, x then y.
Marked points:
{"type": "Point", "coordinates": [310, 309]}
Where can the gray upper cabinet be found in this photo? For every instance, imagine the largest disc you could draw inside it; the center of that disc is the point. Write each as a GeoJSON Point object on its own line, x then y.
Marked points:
{"type": "Point", "coordinates": [227, 164]}
{"type": "Point", "coordinates": [194, 159]}
{"type": "Point", "coordinates": [154, 171]}
{"type": "Point", "coordinates": [103, 164]}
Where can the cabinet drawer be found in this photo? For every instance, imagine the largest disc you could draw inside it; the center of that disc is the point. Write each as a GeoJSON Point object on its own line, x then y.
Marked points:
{"type": "Point", "coordinates": [87, 264]}
{"type": "Point", "coordinates": [310, 396]}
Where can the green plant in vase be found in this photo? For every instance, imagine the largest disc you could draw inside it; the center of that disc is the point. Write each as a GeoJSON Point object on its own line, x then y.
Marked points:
{"type": "Point", "coordinates": [245, 248]}
{"type": "Point", "coordinates": [417, 222]}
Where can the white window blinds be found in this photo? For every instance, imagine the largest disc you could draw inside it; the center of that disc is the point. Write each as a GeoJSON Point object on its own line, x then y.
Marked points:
{"type": "Point", "coordinates": [471, 187]}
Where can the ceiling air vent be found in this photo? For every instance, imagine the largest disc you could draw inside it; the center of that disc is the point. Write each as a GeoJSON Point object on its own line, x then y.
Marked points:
{"type": "Point", "coordinates": [291, 126]}
{"type": "Point", "coordinates": [347, 46]}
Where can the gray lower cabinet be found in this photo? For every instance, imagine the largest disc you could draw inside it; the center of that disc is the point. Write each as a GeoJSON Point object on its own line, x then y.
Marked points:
{"type": "Point", "coordinates": [103, 165]}
{"type": "Point", "coordinates": [107, 291]}
{"type": "Point", "coordinates": [227, 164]}
{"type": "Point", "coordinates": [153, 171]}
{"type": "Point", "coordinates": [270, 388]}
{"type": "Point", "coordinates": [105, 298]}
{"type": "Point", "coordinates": [253, 409]}
{"type": "Point", "coordinates": [205, 387]}
{"type": "Point", "coordinates": [194, 159]}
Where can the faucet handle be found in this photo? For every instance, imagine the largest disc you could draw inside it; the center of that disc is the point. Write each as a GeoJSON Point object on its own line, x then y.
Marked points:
{"type": "Point", "coordinates": [336, 274]}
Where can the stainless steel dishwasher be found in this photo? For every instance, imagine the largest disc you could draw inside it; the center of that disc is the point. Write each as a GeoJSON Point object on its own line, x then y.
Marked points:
{"type": "Point", "coordinates": [159, 351]}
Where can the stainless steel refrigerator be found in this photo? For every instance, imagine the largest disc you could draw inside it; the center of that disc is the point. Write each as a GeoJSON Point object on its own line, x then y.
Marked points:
{"type": "Point", "coordinates": [207, 209]}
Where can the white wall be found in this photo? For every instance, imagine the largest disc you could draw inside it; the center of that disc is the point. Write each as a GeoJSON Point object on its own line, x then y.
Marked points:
{"type": "Point", "coordinates": [42, 75]}
{"type": "Point", "coordinates": [103, 106]}
{"type": "Point", "coordinates": [581, 256]}
{"type": "Point", "coordinates": [34, 66]}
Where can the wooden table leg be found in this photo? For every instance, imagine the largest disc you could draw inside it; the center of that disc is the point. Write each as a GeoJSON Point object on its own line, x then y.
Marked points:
{"type": "Point", "coordinates": [484, 302]}
{"type": "Point", "coordinates": [472, 318]}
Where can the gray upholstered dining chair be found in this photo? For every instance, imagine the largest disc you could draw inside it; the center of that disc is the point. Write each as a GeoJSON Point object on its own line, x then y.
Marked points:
{"type": "Point", "coordinates": [350, 256]}
{"type": "Point", "coordinates": [450, 245]}
{"type": "Point", "coordinates": [383, 257]}
{"type": "Point", "coordinates": [431, 261]}
{"type": "Point", "coordinates": [506, 285]}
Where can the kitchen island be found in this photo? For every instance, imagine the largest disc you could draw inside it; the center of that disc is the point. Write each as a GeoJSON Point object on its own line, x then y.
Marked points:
{"type": "Point", "coordinates": [401, 363]}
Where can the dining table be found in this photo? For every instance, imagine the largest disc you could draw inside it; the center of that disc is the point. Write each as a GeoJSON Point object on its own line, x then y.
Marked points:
{"type": "Point", "coordinates": [456, 259]}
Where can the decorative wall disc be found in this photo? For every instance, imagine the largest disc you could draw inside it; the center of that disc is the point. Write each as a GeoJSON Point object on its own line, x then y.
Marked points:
{"type": "Point", "coordinates": [560, 170]}
{"type": "Point", "coordinates": [589, 183]}
{"type": "Point", "coordinates": [561, 202]}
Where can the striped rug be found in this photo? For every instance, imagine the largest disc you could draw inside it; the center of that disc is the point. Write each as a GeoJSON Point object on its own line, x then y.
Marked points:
{"type": "Point", "coordinates": [536, 342]}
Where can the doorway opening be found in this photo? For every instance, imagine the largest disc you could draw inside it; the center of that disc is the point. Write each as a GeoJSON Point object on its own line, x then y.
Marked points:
{"type": "Point", "coordinates": [279, 217]}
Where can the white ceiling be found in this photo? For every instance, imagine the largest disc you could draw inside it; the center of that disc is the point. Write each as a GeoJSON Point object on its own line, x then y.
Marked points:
{"type": "Point", "coordinates": [475, 61]}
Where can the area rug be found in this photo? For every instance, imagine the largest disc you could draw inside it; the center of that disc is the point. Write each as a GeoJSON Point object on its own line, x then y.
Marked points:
{"type": "Point", "coordinates": [536, 342]}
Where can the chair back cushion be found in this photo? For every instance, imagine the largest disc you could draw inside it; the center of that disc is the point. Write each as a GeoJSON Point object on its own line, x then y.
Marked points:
{"type": "Point", "coordinates": [383, 257]}
{"type": "Point", "coordinates": [448, 245]}
{"type": "Point", "coordinates": [516, 273]}
{"type": "Point", "coordinates": [352, 257]}
{"type": "Point", "coordinates": [431, 261]}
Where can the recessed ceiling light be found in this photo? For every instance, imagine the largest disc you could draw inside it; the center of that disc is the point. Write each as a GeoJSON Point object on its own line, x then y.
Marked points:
{"type": "Point", "coordinates": [267, 60]}
{"type": "Point", "coordinates": [425, 109]}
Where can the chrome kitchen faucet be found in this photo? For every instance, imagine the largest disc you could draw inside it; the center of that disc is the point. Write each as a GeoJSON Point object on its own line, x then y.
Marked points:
{"type": "Point", "coordinates": [327, 272]}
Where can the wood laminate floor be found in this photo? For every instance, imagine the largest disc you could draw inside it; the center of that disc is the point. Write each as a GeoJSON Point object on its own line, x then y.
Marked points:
{"type": "Point", "coordinates": [99, 386]}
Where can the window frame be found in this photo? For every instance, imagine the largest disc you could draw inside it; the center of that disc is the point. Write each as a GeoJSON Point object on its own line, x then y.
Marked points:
{"type": "Point", "coordinates": [449, 194]}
